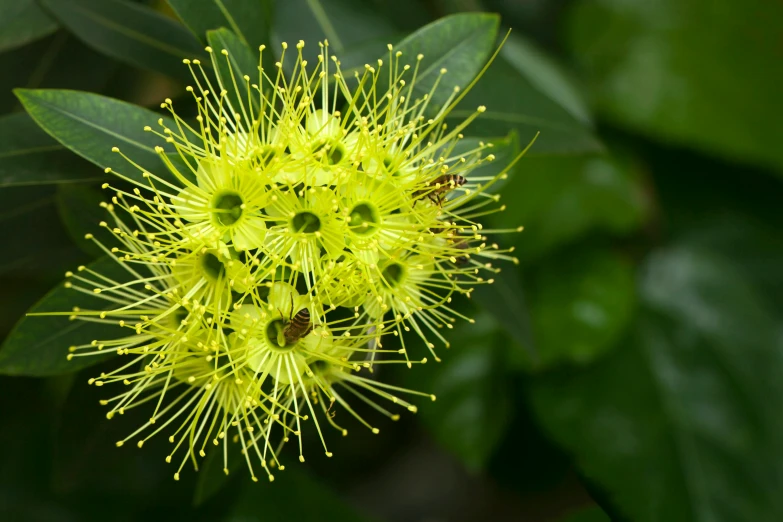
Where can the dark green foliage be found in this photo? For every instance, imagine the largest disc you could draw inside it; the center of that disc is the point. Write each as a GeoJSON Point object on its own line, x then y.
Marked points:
{"type": "Point", "coordinates": [249, 20]}
{"type": "Point", "coordinates": [129, 32]}
{"type": "Point", "coordinates": [39, 346]}
{"type": "Point", "coordinates": [22, 21]}
{"type": "Point", "coordinates": [92, 125]}
{"type": "Point", "coordinates": [632, 359]}
{"type": "Point", "coordinates": [29, 156]}
{"type": "Point", "coordinates": [458, 44]}
{"type": "Point", "coordinates": [704, 73]}
{"type": "Point", "coordinates": [690, 400]}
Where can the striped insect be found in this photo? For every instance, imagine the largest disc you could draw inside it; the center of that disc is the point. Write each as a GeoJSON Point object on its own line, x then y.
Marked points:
{"type": "Point", "coordinates": [295, 327]}
{"type": "Point", "coordinates": [437, 189]}
{"type": "Point", "coordinates": [298, 326]}
{"type": "Point", "coordinates": [463, 247]}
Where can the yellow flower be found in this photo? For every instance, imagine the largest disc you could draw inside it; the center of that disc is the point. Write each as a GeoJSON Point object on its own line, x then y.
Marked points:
{"type": "Point", "coordinates": [225, 205]}
{"type": "Point", "coordinates": [295, 237]}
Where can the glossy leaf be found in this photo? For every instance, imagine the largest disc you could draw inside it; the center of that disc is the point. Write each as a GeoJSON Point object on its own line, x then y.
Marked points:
{"type": "Point", "coordinates": [559, 199]}
{"type": "Point", "coordinates": [293, 496]}
{"type": "Point", "coordinates": [709, 208]}
{"type": "Point", "coordinates": [90, 125]}
{"type": "Point", "coordinates": [546, 75]}
{"type": "Point", "coordinates": [22, 21]}
{"type": "Point", "coordinates": [356, 32]}
{"type": "Point", "coordinates": [582, 302]}
{"type": "Point", "coordinates": [250, 20]}
{"type": "Point", "coordinates": [129, 32]}
{"type": "Point", "coordinates": [684, 422]}
{"type": "Point", "coordinates": [459, 43]}
{"type": "Point", "coordinates": [704, 73]}
{"type": "Point", "coordinates": [505, 300]}
{"type": "Point", "coordinates": [239, 62]}
{"type": "Point", "coordinates": [38, 345]}
{"type": "Point", "coordinates": [473, 405]}
{"type": "Point", "coordinates": [754, 247]}
{"type": "Point", "coordinates": [29, 156]}
{"type": "Point", "coordinates": [514, 103]}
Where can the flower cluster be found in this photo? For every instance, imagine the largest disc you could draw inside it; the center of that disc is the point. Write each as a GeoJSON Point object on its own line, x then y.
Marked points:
{"type": "Point", "coordinates": [304, 216]}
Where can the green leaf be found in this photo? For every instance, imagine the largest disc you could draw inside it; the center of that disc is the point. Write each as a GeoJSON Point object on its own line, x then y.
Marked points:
{"type": "Point", "coordinates": [505, 301]}
{"type": "Point", "coordinates": [582, 302]}
{"type": "Point", "coordinates": [240, 61]}
{"type": "Point", "coordinates": [593, 514]}
{"type": "Point", "coordinates": [546, 76]}
{"type": "Point", "coordinates": [249, 20]}
{"type": "Point", "coordinates": [754, 247]}
{"type": "Point", "coordinates": [459, 43]}
{"type": "Point", "coordinates": [407, 15]}
{"type": "Point", "coordinates": [59, 61]}
{"type": "Point", "coordinates": [38, 345]}
{"type": "Point", "coordinates": [35, 245]}
{"type": "Point", "coordinates": [356, 32]}
{"type": "Point", "coordinates": [90, 125]}
{"type": "Point", "coordinates": [85, 464]}
{"type": "Point", "coordinates": [29, 156]}
{"type": "Point", "coordinates": [559, 199]}
{"type": "Point", "coordinates": [703, 73]}
{"type": "Point", "coordinates": [21, 22]}
{"type": "Point", "coordinates": [212, 477]}
{"type": "Point", "coordinates": [683, 423]}
{"type": "Point", "coordinates": [80, 212]}
{"type": "Point", "coordinates": [129, 32]}
{"type": "Point", "coordinates": [704, 205]}
{"type": "Point", "coordinates": [294, 495]}
{"type": "Point", "coordinates": [473, 406]}
{"type": "Point", "coordinates": [515, 103]}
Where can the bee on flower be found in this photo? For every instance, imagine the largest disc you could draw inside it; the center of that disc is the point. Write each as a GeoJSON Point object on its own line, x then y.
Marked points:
{"type": "Point", "coordinates": [264, 268]}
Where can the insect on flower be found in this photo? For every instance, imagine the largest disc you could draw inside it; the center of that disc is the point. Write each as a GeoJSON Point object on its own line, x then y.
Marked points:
{"type": "Point", "coordinates": [437, 189]}
{"type": "Point", "coordinates": [298, 326]}
{"type": "Point", "coordinates": [265, 267]}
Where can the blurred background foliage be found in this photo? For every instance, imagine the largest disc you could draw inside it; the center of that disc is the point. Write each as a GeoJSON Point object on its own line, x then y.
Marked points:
{"type": "Point", "coordinates": [629, 369]}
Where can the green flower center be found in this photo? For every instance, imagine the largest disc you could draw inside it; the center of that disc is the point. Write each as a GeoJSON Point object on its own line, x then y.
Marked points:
{"type": "Point", "coordinates": [213, 267]}
{"type": "Point", "coordinates": [275, 336]}
{"type": "Point", "coordinates": [363, 219]}
{"type": "Point", "coordinates": [393, 274]}
{"type": "Point", "coordinates": [227, 208]}
{"type": "Point", "coordinates": [264, 157]}
{"type": "Point", "coordinates": [334, 152]}
{"type": "Point", "coordinates": [306, 222]}
{"type": "Point", "coordinates": [319, 366]}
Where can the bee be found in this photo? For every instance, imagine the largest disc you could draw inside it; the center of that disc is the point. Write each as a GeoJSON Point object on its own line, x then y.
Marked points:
{"type": "Point", "coordinates": [438, 229]}
{"type": "Point", "coordinates": [464, 259]}
{"type": "Point", "coordinates": [436, 189]}
{"type": "Point", "coordinates": [296, 327]}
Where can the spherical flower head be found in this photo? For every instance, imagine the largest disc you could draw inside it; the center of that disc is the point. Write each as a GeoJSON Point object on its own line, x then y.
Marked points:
{"type": "Point", "coordinates": [266, 268]}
